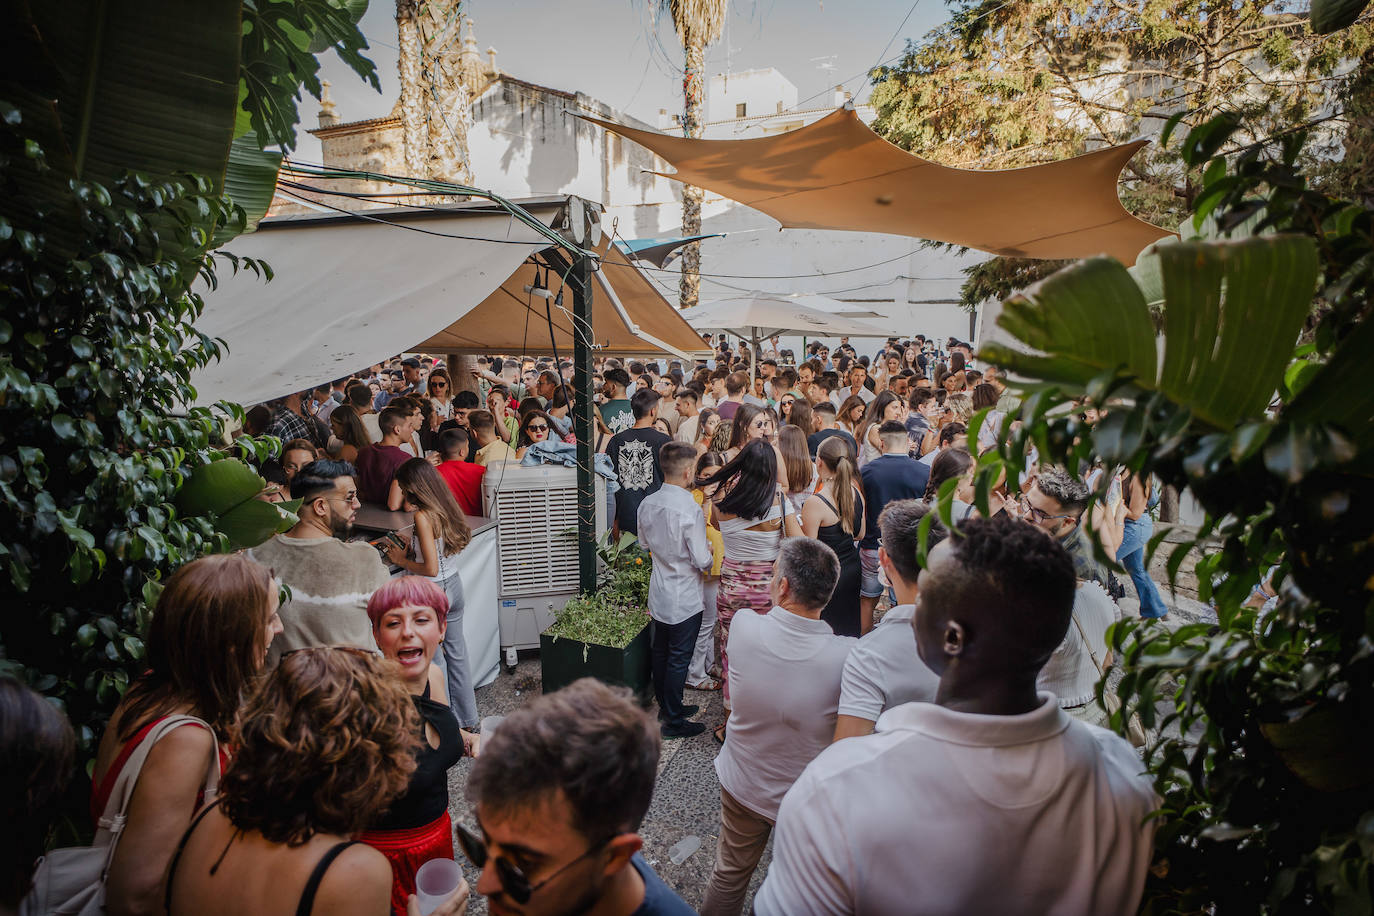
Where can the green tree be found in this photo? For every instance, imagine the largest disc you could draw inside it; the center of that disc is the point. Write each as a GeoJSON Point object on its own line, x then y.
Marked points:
{"type": "Point", "coordinates": [135, 138]}
{"type": "Point", "coordinates": [1003, 85]}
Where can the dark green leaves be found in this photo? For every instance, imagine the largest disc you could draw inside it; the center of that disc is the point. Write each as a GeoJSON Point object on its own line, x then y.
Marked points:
{"type": "Point", "coordinates": [280, 40]}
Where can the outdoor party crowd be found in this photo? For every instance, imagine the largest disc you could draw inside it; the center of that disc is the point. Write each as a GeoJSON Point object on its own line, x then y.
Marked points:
{"type": "Point", "coordinates": [914, 736]}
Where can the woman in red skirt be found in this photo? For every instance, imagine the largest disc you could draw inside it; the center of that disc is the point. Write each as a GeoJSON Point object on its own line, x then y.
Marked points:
{"type": "Point", "coordinates": [408, 616]}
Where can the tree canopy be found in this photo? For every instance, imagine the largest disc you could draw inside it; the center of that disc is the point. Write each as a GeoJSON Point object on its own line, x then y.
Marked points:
{"type": "Point", "coordinates": [1007, 85]}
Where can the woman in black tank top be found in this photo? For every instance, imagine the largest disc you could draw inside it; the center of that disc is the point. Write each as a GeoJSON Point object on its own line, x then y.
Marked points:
{"type": "Point", "coordinates": [835, 517]}
{"type": "Point", "coordinates": [324, 745]}
{"type": "Point", "coordinates": [408, 617]}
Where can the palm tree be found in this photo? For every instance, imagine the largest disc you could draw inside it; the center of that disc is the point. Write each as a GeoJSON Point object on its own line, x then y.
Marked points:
{"type": "Point", "coordinates": [698, 23]}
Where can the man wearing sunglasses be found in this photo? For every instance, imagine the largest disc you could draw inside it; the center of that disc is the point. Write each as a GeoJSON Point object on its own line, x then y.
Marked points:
{"type": "Point", "coordinates": [558, 794]}
{"type": "Point", "coordinates": [330, 578]}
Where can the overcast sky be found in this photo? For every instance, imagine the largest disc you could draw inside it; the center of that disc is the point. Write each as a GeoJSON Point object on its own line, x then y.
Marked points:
{"type": "Point", "coordinates": [612, 51]}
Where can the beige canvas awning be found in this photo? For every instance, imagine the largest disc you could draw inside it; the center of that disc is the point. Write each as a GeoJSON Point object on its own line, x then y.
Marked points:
{"type": "Point", "coordinates": [838, 174]}
{"type": "Point", "coordinates": [630, 317]}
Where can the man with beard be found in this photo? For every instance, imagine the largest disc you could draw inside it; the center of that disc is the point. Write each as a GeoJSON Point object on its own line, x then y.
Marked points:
{"type": "Point", "coordinates": [330, 579]}
{"type": "Point", "coordinates": [558, 794]}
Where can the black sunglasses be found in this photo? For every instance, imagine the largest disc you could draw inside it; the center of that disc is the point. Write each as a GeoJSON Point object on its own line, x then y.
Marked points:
{"type": "Point", "coordinates": [513, 880]}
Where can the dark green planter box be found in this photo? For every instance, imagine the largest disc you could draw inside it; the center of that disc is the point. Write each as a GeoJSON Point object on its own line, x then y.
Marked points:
{"type": "Point", "coordinates": [561, 662]}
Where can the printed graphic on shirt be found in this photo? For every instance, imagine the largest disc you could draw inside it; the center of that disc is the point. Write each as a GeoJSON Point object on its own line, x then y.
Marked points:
{"type": "Point", "coordinates": [620, 422]}
{"type": "Point", "coordinates": [636, 471]}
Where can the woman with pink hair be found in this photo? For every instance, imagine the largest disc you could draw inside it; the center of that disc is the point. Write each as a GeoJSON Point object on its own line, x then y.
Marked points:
{"type": "Point", "coordinates": [409, 615]}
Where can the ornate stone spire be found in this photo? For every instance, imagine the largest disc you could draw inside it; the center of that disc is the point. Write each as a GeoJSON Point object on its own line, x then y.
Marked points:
{"type": "Point", "coordinates": [470, 68]}
{"type": "Point", "coordinates": [328, 116]}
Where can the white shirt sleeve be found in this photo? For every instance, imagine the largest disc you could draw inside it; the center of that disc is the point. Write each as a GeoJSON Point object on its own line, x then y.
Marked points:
{"type": "Point", "coordinates": [861, 694]}
{"type": "Point", "coordinates": [809, 852]}
{"type": "Point", "coordinates": [698, 549]}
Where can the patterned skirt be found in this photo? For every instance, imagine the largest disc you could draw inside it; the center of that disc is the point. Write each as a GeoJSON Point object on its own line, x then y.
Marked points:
{"type": "Point", "coordinates": [407, 850]}
{"type": "Point", "coordinates": [742, 585]}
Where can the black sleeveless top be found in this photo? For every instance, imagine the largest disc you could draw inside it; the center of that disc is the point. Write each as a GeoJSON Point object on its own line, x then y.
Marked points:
{"type": "Point", "coordinates": [312, 884]}
{"type": "Point", "coordinates": [427, 797]}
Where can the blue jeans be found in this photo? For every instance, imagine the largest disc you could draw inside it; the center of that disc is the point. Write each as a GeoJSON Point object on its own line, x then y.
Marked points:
{"type": "Point", "coordinates": [1132, 556]}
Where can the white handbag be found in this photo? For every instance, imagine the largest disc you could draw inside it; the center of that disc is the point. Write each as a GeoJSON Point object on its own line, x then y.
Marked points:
{"type": "Point", "coordinates": [71, 881]}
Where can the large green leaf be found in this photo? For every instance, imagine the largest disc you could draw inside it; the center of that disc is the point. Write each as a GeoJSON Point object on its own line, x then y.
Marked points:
{"type": "Point", "coordinates": [1225, 352]}
{"type": "Point", "coordinates": [218, 486]}
{"type": "Point", "coordinates": [1233, 311]}
{"type": "Point", "coordinates": [143, 85]}
{"type": "Point", "coordinates": [1086, 318]}
{"type": "Point", "coordinates": [253, 521]}
{"type": "Point", "coordinates": [249, 181]}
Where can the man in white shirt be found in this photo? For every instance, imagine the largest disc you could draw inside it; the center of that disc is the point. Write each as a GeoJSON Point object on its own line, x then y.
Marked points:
{"type": "Point", "coordinates": [884, 670]}
{"type": "Point", "coordinates": [689, 410]}
{"type": "Point", "coordinates": [856, 387]}
{"type": "Point", "coordinates": [673, 529]}
{"type": "Point", "coordinates": [783, 689]}
{"type": "Point", "coordinates": [989, 800]}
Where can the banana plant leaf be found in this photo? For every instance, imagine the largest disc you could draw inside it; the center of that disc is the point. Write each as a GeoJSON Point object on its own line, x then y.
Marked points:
{"type": "Point", "coordinates": [1233, 311]}
{"type": "Point", "coordinates": [141, 85]}
{"type": "Point", "coordinates": [253, 521]}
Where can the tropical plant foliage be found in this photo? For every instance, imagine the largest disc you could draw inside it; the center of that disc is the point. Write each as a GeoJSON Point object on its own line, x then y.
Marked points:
{"type": "Point", "coordinates": [1259, 406]}
{"type": "Point", "coordinates": [122, 129]}
{"type": "Point", "coordinates": [619, 608]}
{"type": "Point", "coordinates": [1003, 85]}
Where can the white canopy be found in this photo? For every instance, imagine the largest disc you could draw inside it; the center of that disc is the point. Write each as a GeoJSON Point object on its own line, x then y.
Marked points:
{"type": "Point", "coordinates": [758, 315]}
{"type": "Point", "coordinates": [347, 293]}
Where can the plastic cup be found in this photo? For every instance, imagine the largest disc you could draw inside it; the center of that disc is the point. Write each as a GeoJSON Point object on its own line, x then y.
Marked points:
{"type": "Point", "coordinates": [435, 882]}
{"type": "Point", "coordinates": [489, 724]}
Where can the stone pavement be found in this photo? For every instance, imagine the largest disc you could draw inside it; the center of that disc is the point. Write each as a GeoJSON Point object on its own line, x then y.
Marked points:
{"type": "Point", "coordinates": [686, 796]}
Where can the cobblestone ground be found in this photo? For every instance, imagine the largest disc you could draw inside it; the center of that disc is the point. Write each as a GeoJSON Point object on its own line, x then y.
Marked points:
{"type": "Point", "coordinates": [687, 796]}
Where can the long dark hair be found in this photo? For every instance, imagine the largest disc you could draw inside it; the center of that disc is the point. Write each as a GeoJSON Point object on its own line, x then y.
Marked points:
{"type": "Point", "coordinates": [745, 415]}
{"type": "Point", "coordinates": [423, 486]}
{"type": "Point", "coordinates": [350, 425]}
{"type": "Point", "coordinates": [750, 481]}
{"type": "Point", "coordinates": [204, 643]}
{"type": "Point", "coordinates": [874, 414]}
{"type": "Point", "coordinates": [950, 463]}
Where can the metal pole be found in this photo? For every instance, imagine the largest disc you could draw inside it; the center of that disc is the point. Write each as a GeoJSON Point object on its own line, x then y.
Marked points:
{"type": "Point", "coordinates": [584, 428]}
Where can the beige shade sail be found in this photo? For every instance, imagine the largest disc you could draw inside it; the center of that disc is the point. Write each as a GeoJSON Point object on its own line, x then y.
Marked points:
{"type": "Point", "coordinates": [350, 290]}
{"type": "Point", "coordinates": [630, 317]}
{"type": "Point", "coordinates": [838, 174]}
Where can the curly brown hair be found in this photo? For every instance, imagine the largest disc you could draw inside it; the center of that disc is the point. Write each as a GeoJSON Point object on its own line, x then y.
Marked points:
{"type": "Point", "coordinates": [325, 744]}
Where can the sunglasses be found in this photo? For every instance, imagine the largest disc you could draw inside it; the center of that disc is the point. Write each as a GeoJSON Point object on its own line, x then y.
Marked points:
{"type": "Point", "coordinates": [438, 384]}
{"type": "Point", "coordinates": [513, 880]}
{"type": "Point", "coordinates": [540, 428]}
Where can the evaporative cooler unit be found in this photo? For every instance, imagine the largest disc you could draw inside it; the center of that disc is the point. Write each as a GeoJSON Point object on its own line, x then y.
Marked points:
{"type": "Point", "coordinates": [536, 513]}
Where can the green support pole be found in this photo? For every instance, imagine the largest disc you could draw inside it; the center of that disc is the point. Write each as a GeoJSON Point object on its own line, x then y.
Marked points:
{"type": "Point", "coordinates": [583, 426]}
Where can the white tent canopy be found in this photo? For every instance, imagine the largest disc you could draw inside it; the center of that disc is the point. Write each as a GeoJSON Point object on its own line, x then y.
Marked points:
{"type": "Point", "coordinates": [759, 315]}
{"type": "Point", "coordinates": [349, 292]}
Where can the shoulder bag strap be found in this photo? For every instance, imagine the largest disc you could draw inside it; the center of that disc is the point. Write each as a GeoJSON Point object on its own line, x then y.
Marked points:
{"type": "Point", "coordinates": [114, 817]}
{"type": "Point", "coordinates": [1087, 645]}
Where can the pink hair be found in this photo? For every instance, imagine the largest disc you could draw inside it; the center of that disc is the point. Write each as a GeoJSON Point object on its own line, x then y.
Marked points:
{"type": "Point", "coordinates": [407, 591]}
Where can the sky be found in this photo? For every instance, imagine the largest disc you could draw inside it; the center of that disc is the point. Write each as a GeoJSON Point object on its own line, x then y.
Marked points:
{"type": "Point", "coordinates": [614, 51]}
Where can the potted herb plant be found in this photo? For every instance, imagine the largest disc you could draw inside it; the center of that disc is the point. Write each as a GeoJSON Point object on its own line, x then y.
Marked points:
{"type": "Point", "coordinates": [604, 634]}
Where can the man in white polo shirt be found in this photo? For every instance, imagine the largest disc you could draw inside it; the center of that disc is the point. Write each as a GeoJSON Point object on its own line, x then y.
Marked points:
{"type": "Point", "coordinates": [883, 670]}
{"type": "Point", "coordinates": [989, 800]}
{"type": "Point", "coordinates": [784, 691]}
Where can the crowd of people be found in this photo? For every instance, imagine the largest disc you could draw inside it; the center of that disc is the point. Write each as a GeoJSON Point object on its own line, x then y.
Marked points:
{"type": "Point", "coordinates": [915, 731]}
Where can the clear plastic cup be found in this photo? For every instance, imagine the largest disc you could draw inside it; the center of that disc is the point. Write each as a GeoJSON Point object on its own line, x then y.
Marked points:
{"type": "Point", "coordinates": [435, 882]}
